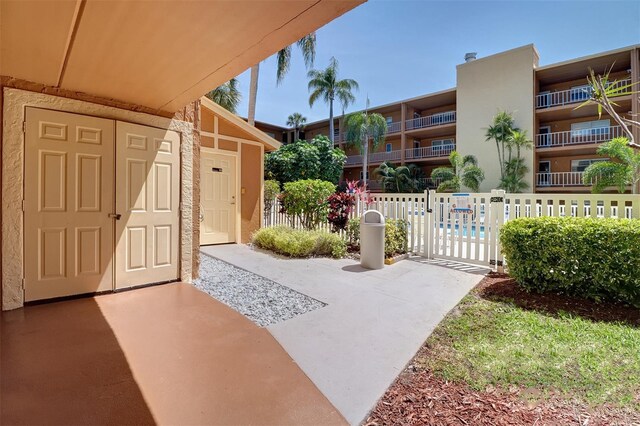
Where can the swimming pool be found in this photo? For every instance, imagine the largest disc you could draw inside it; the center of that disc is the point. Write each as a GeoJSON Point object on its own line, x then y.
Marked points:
{"type": "Point", "coordinates": [456, 229]}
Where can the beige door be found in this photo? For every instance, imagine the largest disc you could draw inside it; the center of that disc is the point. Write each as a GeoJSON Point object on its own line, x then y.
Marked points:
{"type": "Point", "coordinates": [217, 198]}
{"type": "Point", "coordinates": [147, 198]}
{"type": "Point", "coordinates": [68, 234]}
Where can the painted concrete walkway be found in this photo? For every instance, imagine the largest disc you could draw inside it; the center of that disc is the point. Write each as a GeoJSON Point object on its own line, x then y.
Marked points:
{"type": "Point", "coordinates": [168, 355]}
{"type": "Point", "coordinates": [373, 324]}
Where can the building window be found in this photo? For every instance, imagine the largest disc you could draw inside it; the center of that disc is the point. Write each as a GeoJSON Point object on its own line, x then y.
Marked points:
{"type": "Point", "coordinates": [273, 135]}
{"type": "Point", "coordinates": [388, 147]}
{"type": "Point", "coordinates": [590, 128]}
{"type": "Point", "coordinates": [580, 93]}
{"type": "Point", "coordinates": [361, 174]}
{"type": "Point", "coordinates": [581, 165]}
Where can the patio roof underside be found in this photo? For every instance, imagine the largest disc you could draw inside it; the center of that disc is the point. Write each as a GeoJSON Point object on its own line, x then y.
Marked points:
{"type": "Point", "coordinates": [161, 55]}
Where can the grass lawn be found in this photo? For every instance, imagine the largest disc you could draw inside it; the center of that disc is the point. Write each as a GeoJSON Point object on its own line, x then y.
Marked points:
{"type": "Point", "coordinates": [486, 343]}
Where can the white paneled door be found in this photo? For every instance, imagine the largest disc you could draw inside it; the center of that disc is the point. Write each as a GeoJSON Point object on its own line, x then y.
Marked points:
{"type": "Point", "coordinates": [68, 233]}
{"type": "Point", "coordinates": [217, 197]}
{"type": "Point", "coordinates": [147, 198]}
{"type": "Point", "coordinates": [101, 208]}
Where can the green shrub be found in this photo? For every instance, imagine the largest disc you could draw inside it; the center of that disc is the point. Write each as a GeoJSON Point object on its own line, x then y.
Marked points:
{"type": "Point", "coordinates": [306, 200]}
{"type": "Point", "coordinates": [299, 243]}
{"type": "Point", "coordinates": [594, 258]}
{"type": "Point", "coordinates": [395, 235]}
{"type": "Point", "coordinates": [271, 191]}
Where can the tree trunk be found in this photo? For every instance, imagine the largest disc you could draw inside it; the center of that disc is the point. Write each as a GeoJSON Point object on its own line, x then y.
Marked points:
{"type": "Point", "coordinates": [253, 93]}
{"type": "Point", "coordinates": [296, 133]}
{"type": "Point", "coordinates": [365, 166]}
{"type": "Point", "coordinates": [331, 120]}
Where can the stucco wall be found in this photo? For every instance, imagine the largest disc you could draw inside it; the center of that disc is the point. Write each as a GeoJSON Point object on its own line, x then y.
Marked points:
{"type": "Point", "coordinates": [500, 82]}
{"type": "Point", "coordinates": [252, 185]}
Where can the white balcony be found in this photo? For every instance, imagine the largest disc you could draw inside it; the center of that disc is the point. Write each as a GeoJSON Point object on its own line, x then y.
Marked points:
{"type": "Point", "coordinates": [431, 120]}
{"type": "Point", "coordinates": [429, 151]}
{"type": "Point", "coordinates": [393, 127]}
{"type": "Point", "coordinates": [571, 96]}
{"type": "Point", "coordinates": [578, 137]}
{"type": "Point", "coordinates": [559, 179]}
{"type": "Point", "coordinates": [430, 183]}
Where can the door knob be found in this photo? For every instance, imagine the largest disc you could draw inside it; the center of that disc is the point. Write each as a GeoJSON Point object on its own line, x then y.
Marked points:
{"type": "Point", "coordinates": [117, 216]}
{"type": "Point", "coordinates": [233, 199]}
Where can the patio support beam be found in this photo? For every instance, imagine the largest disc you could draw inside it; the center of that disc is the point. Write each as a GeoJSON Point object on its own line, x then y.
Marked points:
{"type": "Point", "coordinates": [403, 136]}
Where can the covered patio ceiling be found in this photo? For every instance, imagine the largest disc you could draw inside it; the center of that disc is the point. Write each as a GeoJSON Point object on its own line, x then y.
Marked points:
{"type": "Point", "coordinates": [161, 55]}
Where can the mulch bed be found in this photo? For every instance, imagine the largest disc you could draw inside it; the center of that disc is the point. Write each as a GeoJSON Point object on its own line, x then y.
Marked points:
{"type": "Point", "coordinates": [418, 397]}
{"type": "Point", "coordinates": [500, 287]}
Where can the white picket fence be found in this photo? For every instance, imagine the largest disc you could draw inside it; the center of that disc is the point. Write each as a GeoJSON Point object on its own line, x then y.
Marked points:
{"type": "Point", "coordinates": [439, 229]}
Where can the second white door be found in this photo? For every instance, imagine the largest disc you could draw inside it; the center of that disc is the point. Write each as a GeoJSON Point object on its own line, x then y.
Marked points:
{"type": "Point", "coordinates": [147, 200]}
{"type": "Point", "coordinates": [217, 198]}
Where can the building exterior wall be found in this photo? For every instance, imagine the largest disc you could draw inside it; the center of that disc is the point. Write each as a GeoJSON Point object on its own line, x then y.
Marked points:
{"type": "Point", "coordinates": [485, 86]}
{"type": "Point", "coordinates": [227, 136]}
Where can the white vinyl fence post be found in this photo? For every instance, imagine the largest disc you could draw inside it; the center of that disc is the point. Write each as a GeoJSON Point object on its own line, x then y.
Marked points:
{"type": "Point", "coordinates": [429, 204]}
{"type": "Point", "coordinates": [497, 220]}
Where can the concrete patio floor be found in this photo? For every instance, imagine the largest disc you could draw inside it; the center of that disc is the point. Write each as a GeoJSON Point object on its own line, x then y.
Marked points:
{"type": "Point", "coordinates": [168, 354]}
{"type": "Point", "coordinates": [373, 324]}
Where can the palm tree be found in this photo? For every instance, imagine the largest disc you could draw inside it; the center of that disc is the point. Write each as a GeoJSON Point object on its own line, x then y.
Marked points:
{"type": "Point", "coordinates": [463, 171]}
{"type": "Point", "coordinates": [325, 84]}
{"type": "Point", "coordinates": [362, 127]}
{"type": "Point", "coordinates": [515, 168]}
{"type": "Point", "coordinates": [297, 121]}
{"type": "Point", "coordinates": [227, 96]}
{"type": "Point", "coordinates": [395, 179]}
{"type": "Point", "coordinates": [307, 45]}
{"type": "Point", "coordinates": [621, 173]}
{"type": "Point", "coordinates": [500, 131]}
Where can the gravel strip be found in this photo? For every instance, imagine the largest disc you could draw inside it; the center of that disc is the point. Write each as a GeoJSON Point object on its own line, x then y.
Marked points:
{"type": "Point", "coordinates": [263, 301]}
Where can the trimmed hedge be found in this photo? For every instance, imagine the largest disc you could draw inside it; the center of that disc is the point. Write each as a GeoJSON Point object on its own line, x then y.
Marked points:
{"type": "Point", "coordinates": [395, 235]}
{"type": "Point", "coordinates": [299, 243]}
{"type": "Point", "coordinates": [593, 258]}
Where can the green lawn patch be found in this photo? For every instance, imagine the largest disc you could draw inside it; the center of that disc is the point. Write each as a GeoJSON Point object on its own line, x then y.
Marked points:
{"type": "Point", "coordinates": [496, 343]}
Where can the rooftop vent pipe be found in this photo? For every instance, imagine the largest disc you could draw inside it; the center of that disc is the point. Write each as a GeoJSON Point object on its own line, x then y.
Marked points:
{"type": "Point", "coordinates": [471, 56]}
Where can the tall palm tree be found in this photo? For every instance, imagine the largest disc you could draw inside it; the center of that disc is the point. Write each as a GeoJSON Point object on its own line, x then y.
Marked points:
{"type": "Point", "coordinates": [297, 121]}
{"type": "Point", "coordinates": [515, 168]}
{"type": "Point", "coordinates": [500, 131]}
{"type": "Point", "coordinates": [325, 84]}
{"type": "Point", "coordinates": [307, 45]}
{"type": "Point", "coordinates": [227, 95]}
{"type": "Point", "coordinates": [621, 173]}
{"type": "Point", "coordinates": [362, 127]}
{"type": "Point", "coordinates": [463, 171]}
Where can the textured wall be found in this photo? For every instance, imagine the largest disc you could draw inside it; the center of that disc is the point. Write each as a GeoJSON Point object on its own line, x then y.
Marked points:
{"type": "Point", "coordinates": [14, 103]}
{"type": "Point", "coordinates": [504, 81]}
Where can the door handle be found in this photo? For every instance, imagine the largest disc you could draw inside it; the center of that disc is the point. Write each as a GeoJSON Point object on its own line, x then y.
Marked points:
{"type": "Point", "coordinates": [117, 216]}
{"type": "Point", "coordinates": [233, 199]}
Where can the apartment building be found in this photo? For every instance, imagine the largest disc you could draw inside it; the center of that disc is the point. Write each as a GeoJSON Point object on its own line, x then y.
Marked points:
{"type": "Point", "coordinates": [543, 100]}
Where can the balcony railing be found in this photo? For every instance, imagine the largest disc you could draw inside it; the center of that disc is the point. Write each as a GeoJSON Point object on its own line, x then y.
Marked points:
{"type": "Point", "coordinates": [429, 151]}
{"type": "Point", "coordinates": [571, 96]}
{"type": "Point", "coordinates": [559, 179]}
{"type": "Point", "coordinates": [393, 127]}
{"type": "Point", "coordinates": [578, 137]}
{"type": "Point", "coordinates": [375, 157]}
{"type": "Point", "coordinates": [431, 120]}
{"type": "Point", "coordinates": [430, 183]}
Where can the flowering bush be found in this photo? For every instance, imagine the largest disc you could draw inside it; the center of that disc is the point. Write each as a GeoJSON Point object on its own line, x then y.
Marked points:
{"type": "Point", "coordinates": [340, 206]}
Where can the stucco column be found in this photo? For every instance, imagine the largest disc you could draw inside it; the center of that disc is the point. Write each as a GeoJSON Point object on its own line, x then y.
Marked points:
{"type": "Point", "coordinates": [403, 136]}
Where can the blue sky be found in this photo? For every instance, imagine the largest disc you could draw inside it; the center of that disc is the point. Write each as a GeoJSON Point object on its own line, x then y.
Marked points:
{"type": "Point", "coordinates": [397, 49]}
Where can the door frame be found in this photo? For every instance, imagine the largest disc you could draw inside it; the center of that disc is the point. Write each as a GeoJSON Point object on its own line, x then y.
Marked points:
{"type": "Point", "coordinates": [15, 102]}
{"type": "Point", "coordinates": [238, 157]}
